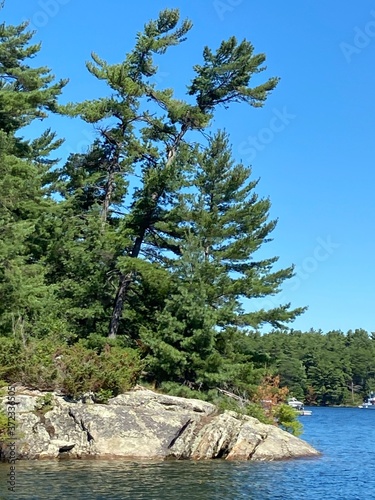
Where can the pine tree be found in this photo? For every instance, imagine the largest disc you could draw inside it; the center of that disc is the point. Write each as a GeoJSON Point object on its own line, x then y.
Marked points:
{"type": "Point", "coordinates": [26, 94]}
{"type": "Point", "coordinates": [232, 224]}
{"type": "Point", "coordinates": [146, 129]}
{"type": "Point", "coordinates": [200, 337]}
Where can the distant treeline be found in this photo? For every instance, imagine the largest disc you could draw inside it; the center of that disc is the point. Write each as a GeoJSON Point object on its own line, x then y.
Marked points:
{"type": "Point", "coordinates": [323, 369]}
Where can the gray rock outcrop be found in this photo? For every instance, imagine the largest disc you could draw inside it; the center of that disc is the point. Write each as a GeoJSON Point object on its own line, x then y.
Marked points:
{"type": "Point", "coordinates": [143, 424]}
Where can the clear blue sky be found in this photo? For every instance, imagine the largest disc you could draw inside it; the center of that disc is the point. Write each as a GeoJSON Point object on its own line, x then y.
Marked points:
{"type": "Point", "coordinates": [312, 145]}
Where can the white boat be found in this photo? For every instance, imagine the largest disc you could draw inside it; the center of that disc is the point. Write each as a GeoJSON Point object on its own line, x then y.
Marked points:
{"type": "Point", "coordinates": [294, 403]}
{"type": "Point", "coordinates": [299, 407]}
{"type": "Point", "coordinates": [370, 403]}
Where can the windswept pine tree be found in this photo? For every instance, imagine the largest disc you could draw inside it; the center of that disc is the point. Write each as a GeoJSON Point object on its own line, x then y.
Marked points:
{"type": "Point", "coordinates": [26, 93]}
{"type": "Point", "coordinates": [145, 130]}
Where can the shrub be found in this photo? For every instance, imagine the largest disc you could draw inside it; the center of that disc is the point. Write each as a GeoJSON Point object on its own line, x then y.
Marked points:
{"type": "Point", "coordinates": [257, 411]}
{"type": "Point", "coordinates": [44, 403]}
{"type": "Point", "coordinates": [10, 354]}
{"type": "Point", "coordinates": [3, 425]}
{"type": "Point", "coordinates": [74, 370]}
{"type": "Point", "coordinates": [107, 374]}
{"type": "Point", "coordinates": [250, 409]}
{"type": "Point", "coordinates": [120, 369]}
{"type": "Point", "coordinates": [103, 395]}
{"type": "Point", "coordinates": [32, 364]}
{"type": "Point", "coordinates": [37, 368]}
{"type": "Point", "coordinates": [77, 370]}
{"type": "Point", "coordinates": [181, 390]}
{"type": "Point", "coordinates": [286, 417]}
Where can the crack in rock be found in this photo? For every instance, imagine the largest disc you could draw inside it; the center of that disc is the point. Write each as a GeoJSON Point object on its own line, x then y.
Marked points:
{"type": "Point", "coordinates": [259, 443]}
{"type": "Point", "coordinates": [82, 425]}
{"type": "Point", "coordinates": [179, 433]}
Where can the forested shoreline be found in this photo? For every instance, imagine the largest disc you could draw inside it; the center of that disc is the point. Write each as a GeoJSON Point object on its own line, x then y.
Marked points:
{"type": "Point", "coordinates": [129, 263]}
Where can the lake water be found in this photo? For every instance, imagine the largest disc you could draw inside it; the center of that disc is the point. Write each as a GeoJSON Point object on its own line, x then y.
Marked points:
{"type": "Point", "coordinates": [345, 436]}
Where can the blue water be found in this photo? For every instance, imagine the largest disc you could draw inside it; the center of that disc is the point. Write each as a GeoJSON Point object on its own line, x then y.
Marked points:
{"type": "Point", "coordinates": [345, 471]}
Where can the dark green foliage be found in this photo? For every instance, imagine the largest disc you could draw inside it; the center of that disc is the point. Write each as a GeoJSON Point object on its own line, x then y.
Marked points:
{"type": "Point", "coordinates": [224, 225]}
{"type": "Point", "coordinates": [292, 375]}
{"type": "Point", "coordinates": [225, 76]}
{"type": "Point", "coordinates": [184, 391]}
{"type": "Point", "coordinates": [330, 369]}
{"type": "Point", "coordinates": [26, 93]}
{"type": "Point", "coordinates": [182, 341]}
{"type": "Point", "coordinates": [143, 130]}
{"type": "Point", "coordinates": [31, 364]}
{"type": "Point", "coordinates": [231, 224]}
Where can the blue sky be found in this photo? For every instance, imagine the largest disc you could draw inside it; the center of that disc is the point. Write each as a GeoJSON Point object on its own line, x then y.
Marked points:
{"type": "Point", "coordinates": [312, 145]}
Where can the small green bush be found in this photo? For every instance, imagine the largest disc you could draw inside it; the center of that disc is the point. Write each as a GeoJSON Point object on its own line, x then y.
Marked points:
{"type": "Point", "coordinates": [182, 391]}
{"type": "Point", "coordinates": [10, 354]}
{"type": "Point", "coordinates": [286, 418]}
{"type": "Point", "coordinates": [250, 409]}
{"type": "Point", "coordinates": [37, 366]}
{"type": "Point", "coordinates": [3, 425]}
{"type": "Point", "coordinates": [77, 370]}
{"type": "Point", "coordinates": [44, 403]}
{"type": "Point", "coordinates": [32, 365]}
{"type": "Point", "coordinates": [257, 411]}
{"type": "Point", "coordinates": [113, 371]}
{"type": "Point", "coordinates": [120, 369]}
{"type": "Point", "coordinates": [104, 369]}
{"type": "Point", "coordinates": [103, 395]}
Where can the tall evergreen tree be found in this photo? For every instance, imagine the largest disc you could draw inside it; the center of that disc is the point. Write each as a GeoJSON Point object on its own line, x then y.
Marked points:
{"type": "Point", "coordinates": [225, 225]}
{"type": "Point", "coordinates": [26, 93]}
{"type": "Point", "coordinates": [232, 224]}
{"type": "Point", "coordinates": [181, 342]}
{"type": "Point", "coordinates": [146, 128]}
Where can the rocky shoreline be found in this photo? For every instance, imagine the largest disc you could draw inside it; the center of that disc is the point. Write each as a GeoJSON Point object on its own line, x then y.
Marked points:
{"type": "Point", "coordinates": [143, 424]}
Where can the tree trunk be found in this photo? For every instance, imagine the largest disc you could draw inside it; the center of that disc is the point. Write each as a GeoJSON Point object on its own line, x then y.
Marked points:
{"type": "Point", "coordinates": [108, 194]}
{"type": "Point", "coordinates": [123, 288]}
{"type": "Point", "coordinates": [125, 282]}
